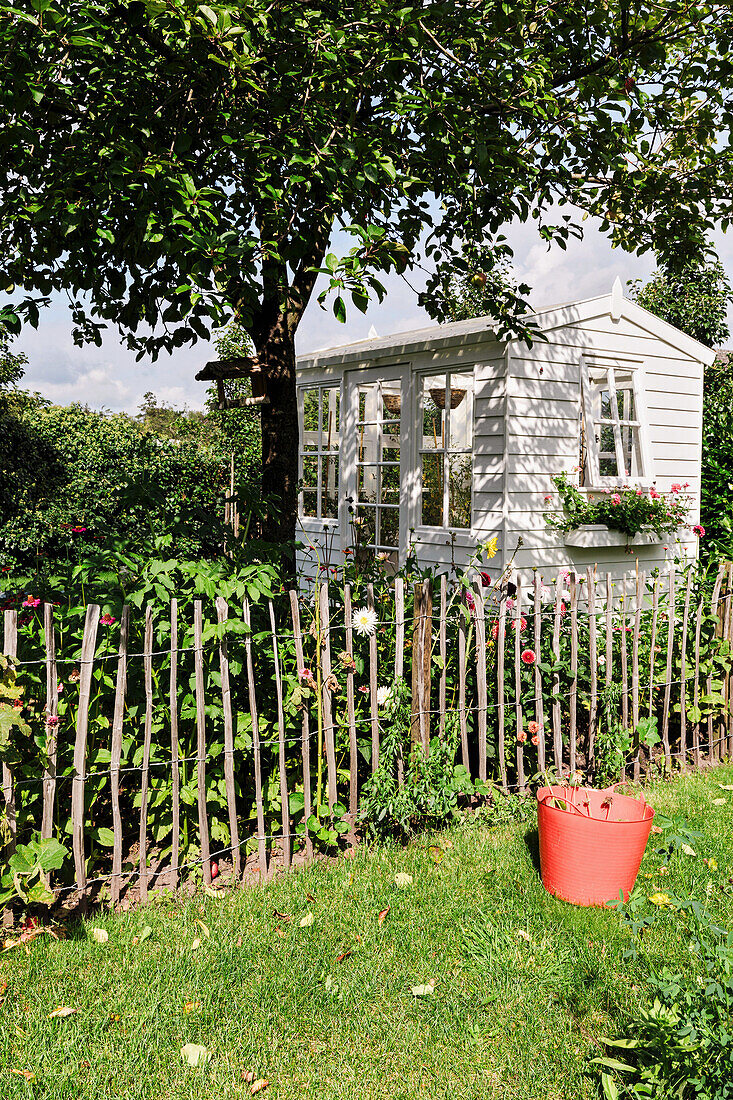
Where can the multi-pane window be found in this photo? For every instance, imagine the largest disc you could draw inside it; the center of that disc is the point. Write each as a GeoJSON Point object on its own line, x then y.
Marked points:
{"type": "Point", "coordinates": [446, 449]}
{"type": "Point", "coordinates": [376, 515]}
{"type": "Point", "coordinates": [319, 409]}
{"type": "Point", "coordinates": [612, 444]}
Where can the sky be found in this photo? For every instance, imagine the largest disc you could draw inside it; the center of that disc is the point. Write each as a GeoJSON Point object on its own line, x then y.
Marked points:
{"type": "Point", "coordinates": [109, 378]}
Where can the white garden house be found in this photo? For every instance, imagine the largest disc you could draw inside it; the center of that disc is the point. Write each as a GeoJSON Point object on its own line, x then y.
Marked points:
{"type": "Point", "coordinates": [445, 437]}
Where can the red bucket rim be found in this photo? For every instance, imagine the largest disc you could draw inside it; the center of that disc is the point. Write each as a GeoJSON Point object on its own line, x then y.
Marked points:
{"type": "Point", "coordinates": [556, 791]}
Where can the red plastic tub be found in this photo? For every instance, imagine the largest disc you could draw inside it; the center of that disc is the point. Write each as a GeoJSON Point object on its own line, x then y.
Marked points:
{"type": "Point", "coordinates": [593, 849]}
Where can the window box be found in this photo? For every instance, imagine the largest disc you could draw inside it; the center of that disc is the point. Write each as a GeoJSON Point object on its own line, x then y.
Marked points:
{"type": "Point", "coordinates": [593, 535]}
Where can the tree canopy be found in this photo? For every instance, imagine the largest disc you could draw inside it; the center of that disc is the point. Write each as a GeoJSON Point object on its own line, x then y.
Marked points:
{"type": "Point", "coordinates": [694, 298]}
{"type": "Point", "coordinates": [171, 164]}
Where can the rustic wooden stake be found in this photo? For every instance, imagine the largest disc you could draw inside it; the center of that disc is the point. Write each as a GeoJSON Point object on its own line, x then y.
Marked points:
{"type": "Point", "coordinates": [175, 774]}
{"type": "Point", "coordinates": [668, 682]}
{"type": "Point", "coordinates": [10, 649]}
{"type": "Point", "coordinates": [305, 725]}
{"type": "Point", "coordinates": [88, 648]}
{"type": "Point", "coordinates": [556, 712]}
{"type": "Point", "coordinates": [640, 588]}
{"type": "Point", "coordinates": [481, 687]}
{"type": "Point", "coordinates": [683, 671]}
{"type": "Point", "coordinates": [593, 661]}
{"type": "Point", "coordinates": [222, 614]}
{"type": "Point", "coordinates": [399, 662]}
{"type": "Point", "coordinates": [462, 685]}
{"type": "Point", "coordinates": [261, 841]}
{"type": "Point", "coordinates": [373, 684]}
{"type": "Point", "coordinates": [517, 618]}
{"type": "Point", "coordinates": [609, 629]}
{"type": "Point", "coordinates": [500, 655]}
{"type": "Point", "coordinates": [328, 731]}
{"type": "Point", "coordinates": [573, 731]}
{"type": "Point", "coordinates": [284, 796]}
{"type": "Point", "coordinates": [52, 699]}
{"type": "Point", "coordinates": [538, 702]}
{"type": "Point", "coordinates": [653, 653]}
{"type": "Point", "coordinates": [201, 740]}
{"type": "Point", "coordinates": [116, 753]}
{"type": "Point", "coordinates": [350, 713]}
{"type": "Point", "coordinates": [147, 736]}
{"type": "Point", "coordinates": [443, 651]}
{"type": "Point", "coordinates": [696, 688]}
{"type": "Point", "coordinates": [713, 748]}
{"type": "Point", "coordinates": [421, 638]}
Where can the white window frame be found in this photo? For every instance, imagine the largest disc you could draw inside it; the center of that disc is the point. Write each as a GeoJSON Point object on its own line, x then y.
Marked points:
{"type": "Point", "coordinates": [612, 364]}
{"type": "Point", "coordinates": [450, 371]}
{"type": "Point", "coordinates": [322, 385]}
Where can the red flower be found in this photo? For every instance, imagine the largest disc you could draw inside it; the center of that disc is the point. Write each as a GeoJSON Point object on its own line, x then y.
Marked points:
{"type": "Point", "coordinates": [521, 736]}
{"type": "Point", "coordinates": [535, 740]}
{"type": "Point", "coordinates": [529, 656]}
{"type": "Point", "coordinates": [107, 620]}
{"type": "Point", "coordinates": [485, 579]}
{"type": "Point", "coordinates": [698, 530]}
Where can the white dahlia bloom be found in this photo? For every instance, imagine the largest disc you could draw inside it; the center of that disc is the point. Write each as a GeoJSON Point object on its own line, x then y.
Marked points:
{"type": "Point", "coordinates": [364, 621]}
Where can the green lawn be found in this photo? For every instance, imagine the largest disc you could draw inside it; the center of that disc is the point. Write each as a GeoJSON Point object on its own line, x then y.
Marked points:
{"type": "Point", "coordinates": [524, 984]}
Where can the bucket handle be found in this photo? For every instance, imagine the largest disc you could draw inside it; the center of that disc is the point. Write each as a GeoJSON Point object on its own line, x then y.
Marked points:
{"type": "Point", "coordinates": [566, 802]}
{"type": "Point", "coordinates": [623, 783]}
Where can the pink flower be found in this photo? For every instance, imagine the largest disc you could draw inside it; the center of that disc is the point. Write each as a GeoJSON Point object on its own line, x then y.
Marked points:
{"type": "Point", "coordinates": [677, 488]}
{"type": "Point", "coordinates": [699, 530]}
{"type": "Point", "coordinates": [470, 602]}
{"type": "Point", "coordinates": [60, 689]}
{"type": "Point", "coordinates": [522, 624]}
{"type": "Point", "coordinates": [107, 620]}
{"type": "Point", "coordinates": [364, 689]}
{"type": "Point", "coordinates": [548, 499]}
{"type": "Point", "coordinates": [686, 485]}
{"type": "Point", "coordinates": [529, 656]}
{"type": "Point", "coordinates": [307, 677]}
{"type": "Point", "coordinates": [52, 720]}
{"type": "Point", "coordinates": [535, 740]}
{"type": "Point", "coordinates": [521, 736]}
{"type": "Point", "coordinates": [533, 727]}
{"type": "Point", "coordinates": [615, 499]}
{"type": "Point", "coordinates": [640, 492]}
{"type": "Point", "coordinates": [509, 604]}
{"type": "Point", "coordinates": [653, 493]}
{"type": "Point", "coordinates": [78, 530]}
{"type": "Point", "coordinates": [495, 631]}
{"type": "Point", "coordinates": [31, 602]}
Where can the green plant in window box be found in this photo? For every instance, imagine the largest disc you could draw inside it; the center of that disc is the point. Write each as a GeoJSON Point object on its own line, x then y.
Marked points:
{"type": "Point", "coordinates": [629, 510]}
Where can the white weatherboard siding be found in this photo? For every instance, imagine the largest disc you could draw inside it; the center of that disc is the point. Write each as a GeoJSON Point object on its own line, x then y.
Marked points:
{"type": "Point", "coordinates": [527, 404]}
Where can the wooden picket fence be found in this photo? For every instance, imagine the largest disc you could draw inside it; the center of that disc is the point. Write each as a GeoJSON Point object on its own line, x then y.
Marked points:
{"type": "Point", "coordinates": [482, 679]}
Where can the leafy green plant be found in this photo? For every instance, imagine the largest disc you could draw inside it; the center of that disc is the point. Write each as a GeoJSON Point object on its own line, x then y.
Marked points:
{"type": "Point", "coordinates": [11, 696]}
{"type": "Point", "coordinates": [428, 794]}
{"type": "Point", "coordinates": [679, 1045]}
{"type": "Point", "coordinates": [26, 869]}
{"type": "Point", "coordinates": [627, 510]}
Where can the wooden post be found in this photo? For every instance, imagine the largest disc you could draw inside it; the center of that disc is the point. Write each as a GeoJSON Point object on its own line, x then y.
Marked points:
{"type": "Point", "coordinates": [373, 684]}
{"type": "Point", "coordinates": [500, 655]}
{"type": "Point", "coordinates": [593, 661]}
{"type": "Point", "coordinates": [52, 700]}
{"type": "Point", "coordinates": [556, 712]}
{"type": "Point", "coordinates": [640, 587]}
{"type": "Point", "coordinates": [284, 796]}
{"type": "Point", "coordinates": [624, 670]}
{"type": "Point", "coordinates": [713, 750]}
{"type": "Point", "coordinates": [443, 651]}
{"type": "Point", "coordinates": [10, 649]}
{"type": "Point", "coordinates": [147, 735]}
{"type": "Point", "coordinates": [328, 731]}
{"type": "Point", "coordinates": [399, 665]}
{"type": "Point", "coordinates": [201, 740]}
{"type": "Point", "coordinates": [538, 703]}
{"type": "Point", "coordinates": [668, 683]}
{"type": "Point", "coordinates": [88, 648]}
{"type": "Point", "coordinates": [116, 753]}
{"type": "Point", "coordinates": [683, 671]}
{"type": "Point", "coordinates": [261, 841]}
{"type": "Point", "coordinates": [696, 689]}
{"type": "Point", "coordinates": [518, 682]}
{"type": "Point", "coordinates": [305, 725]}
{"type": "Point", "coordinates": [573, 731]}
{"type": "Point", "coordinates": [353, 750]}
{"type": "Point", "coordinates": [481, 678]}
{"type": "Point", "coordinates": [653, 653]}
{"type": "Point", "coordinates": [222, 614]}
{"type": "Point", "coordinates": [175, 774]}
{"type": "Point", "coordinates": [462, 685]}
{"type": "Point", "coordinates": [609, 629]}
{"type": "Point", "coordinates": [421, 637]}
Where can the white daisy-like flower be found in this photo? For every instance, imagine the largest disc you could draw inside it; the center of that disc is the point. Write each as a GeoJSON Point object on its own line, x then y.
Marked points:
{"type": "Point", "coordinates": [364, 621]}
{"type": "Point", "coordinates": [382, 695]}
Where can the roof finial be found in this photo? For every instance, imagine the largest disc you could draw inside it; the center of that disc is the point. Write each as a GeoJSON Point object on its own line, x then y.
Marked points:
{"type": "Point", "coordinates": [617, 298]}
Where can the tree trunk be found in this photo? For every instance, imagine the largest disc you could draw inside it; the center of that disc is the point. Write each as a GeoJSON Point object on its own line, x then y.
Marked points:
{"type": "Point", "coordinates": [280, 436]}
